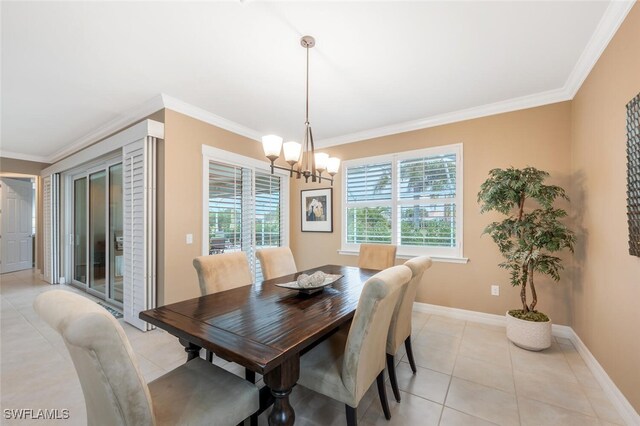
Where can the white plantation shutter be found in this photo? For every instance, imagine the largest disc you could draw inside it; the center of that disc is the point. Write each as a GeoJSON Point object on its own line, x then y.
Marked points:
{"type": "Point", "coordinates": [267, 207]}
{"type": "Point", "coordinates": [412, 199]}
{"type": "Point", "coordinates": [139, 196]}
{"type": "Point", "coordinates": [369, 201]}
{"type": "Point", "coordinates": [244, 209]}
{"type": "Point", "coordinates": [427, 201]}
{"type": "Point", "coordinates": [268, 217]}
{"type": "Point", "coordinates": [47, 229]}
{"type": "Point", "coordinates": [51, 228]}
{"type": "Point", "coordinates": [369, 182]}
{"type": "Point", "coordinates": [428, 177]}
{"type": "Point", "coordinates": [248, 221]}
{"type": "Point", "coordinates": [225, 206]}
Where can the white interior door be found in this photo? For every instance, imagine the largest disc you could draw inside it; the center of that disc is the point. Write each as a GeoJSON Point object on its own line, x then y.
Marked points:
{"type": "Point", "coordinates": [16, 225]}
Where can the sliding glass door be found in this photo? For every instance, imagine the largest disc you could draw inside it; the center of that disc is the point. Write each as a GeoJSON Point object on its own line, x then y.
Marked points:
{"type": "Point", "coordinates": [80, 230]}
{"type": "Point", "coordinates": [97, 226]}
{"type": "Point", "coordinates": [116, 216]}
{"type": "Point", "coordinates": [97, 232]}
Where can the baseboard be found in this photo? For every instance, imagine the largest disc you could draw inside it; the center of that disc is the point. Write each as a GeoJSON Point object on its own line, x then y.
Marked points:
{"type": "Point", "coordinates": [622, 404]}
{"type": "Point", "coordinates": [619, 401]}
{"type": "Point", "coordinates": [462, 314]}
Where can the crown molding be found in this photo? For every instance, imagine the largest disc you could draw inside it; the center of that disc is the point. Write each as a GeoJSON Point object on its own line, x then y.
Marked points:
{"type": "Point", "coordinates": [116, 141]}
{"type": "Point", "coordinates": [611, 20]}
{"type": "Point", "coordinates": [208, 117]}
{"type": "Point", "coordinates": [25, 157]}
{"type": "Point", "coordinates": [509, 105]}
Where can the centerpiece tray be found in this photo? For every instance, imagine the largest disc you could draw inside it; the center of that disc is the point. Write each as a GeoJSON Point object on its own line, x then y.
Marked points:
{"type": "Point", "coordinates": [328, 280]}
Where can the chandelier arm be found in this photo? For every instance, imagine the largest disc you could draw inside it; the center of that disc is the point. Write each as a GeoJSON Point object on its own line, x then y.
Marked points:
{"type": "Point", "coordinates": [304, 164]}
{"type": "Point", "coordinates": [275, 166]}
{"type": "Point", "coordinates": [313, 156]}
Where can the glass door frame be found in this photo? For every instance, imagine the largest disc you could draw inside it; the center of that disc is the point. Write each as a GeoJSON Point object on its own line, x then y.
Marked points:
{"type": "Point", "coordinates": [69, 220]}
{"type": "Point", "coordinates": [72, 212]}
{"type": "Point", "coordinates": [102, 295]}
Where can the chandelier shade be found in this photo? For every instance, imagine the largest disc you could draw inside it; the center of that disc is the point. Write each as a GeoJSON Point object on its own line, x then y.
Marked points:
{"type": "Point", "coordinates": [292, 152]}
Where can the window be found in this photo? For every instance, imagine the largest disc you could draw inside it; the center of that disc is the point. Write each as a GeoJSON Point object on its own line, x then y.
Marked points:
{"type": "Point", "coordinates": [411, 199]}
{"type": "Point", "coordinates": [244, 206]}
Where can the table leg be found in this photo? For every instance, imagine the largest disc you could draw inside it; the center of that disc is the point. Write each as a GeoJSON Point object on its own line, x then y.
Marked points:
{"type": "Point", "coordinates": [193, 351]}
{"type": "Point", "coordinates": [281, 381]}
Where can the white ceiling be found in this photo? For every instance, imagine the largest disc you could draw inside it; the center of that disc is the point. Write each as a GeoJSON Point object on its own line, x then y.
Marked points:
{"type": "Point", "coordinates": [378, 67]}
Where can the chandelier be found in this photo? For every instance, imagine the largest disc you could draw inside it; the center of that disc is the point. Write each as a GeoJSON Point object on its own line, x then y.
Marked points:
{"type": "Point", "coordinates": [302, 158]}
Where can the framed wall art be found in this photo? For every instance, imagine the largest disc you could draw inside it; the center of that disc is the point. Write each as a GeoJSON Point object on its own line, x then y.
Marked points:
{"type": "Point", "coordinates": [317, 210]}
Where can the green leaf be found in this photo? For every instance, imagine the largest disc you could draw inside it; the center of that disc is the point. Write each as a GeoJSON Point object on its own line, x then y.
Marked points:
{"type": "Point", "coordinates": [532, 229]}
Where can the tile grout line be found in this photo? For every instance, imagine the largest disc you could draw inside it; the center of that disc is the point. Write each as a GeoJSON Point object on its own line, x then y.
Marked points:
{"type": "Point", "coordinates": [513, 376]}
{"type": "Point", "coordinates": [25, 319]}
{"type": "Point", "coordinates": [446, 396]}
{"type": "Point", "coordinates": [563, 407]}
{"type": "Point", "coordinates": [595, 412]}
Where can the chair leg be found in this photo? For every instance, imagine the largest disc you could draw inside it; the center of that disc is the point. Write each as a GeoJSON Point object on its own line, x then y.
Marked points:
{"type": "Point", "coordinates": [253, 421]}
{"type": "Point", "coordinates": [250, 376]}
{"type": "Point", "coordinates": [407, 346]}
{"type": "Point", "coordinates": [391, 367]}
{"type": "Point", "coordinates": [352, 415]}
{"type": "Point", "coordinates": [209, 356]}
{"type": "Point", "coordinates": [382, 392]}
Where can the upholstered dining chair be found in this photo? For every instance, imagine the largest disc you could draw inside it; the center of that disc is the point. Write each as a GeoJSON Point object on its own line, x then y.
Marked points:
{"type": "Point", "coordinates": [400, 327]}
{"type": "Point", "coordinates": [344, 366]}
{"type": "Point", "coordinates": [276, 262]}
{"type": "Point", "coordinates": [219, 272]}
{"type": "Point", "coordinates": [115, 392]}
{"type": "Point", "coordinates": [377, 256]}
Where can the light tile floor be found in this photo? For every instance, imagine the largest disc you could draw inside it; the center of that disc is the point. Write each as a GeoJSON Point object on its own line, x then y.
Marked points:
{"type": "Point", "coordinates": [468, 373]}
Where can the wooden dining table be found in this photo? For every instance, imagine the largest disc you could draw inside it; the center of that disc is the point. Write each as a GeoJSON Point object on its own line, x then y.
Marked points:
{"type": "Point", "coordinates": [264, 328]}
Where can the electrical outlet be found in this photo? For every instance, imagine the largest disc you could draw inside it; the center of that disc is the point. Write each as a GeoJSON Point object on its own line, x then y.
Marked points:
{"type": "Point", "coordinates": [189, 238]}
{"type": "Point", "coordinates": [495, 290]}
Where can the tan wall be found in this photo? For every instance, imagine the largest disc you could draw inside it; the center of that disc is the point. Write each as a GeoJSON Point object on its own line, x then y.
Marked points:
{"type": "Point", "coordinates": [538, 137]}
{"type": "Point", "coordinates": [581, 143]}
{"type": "Point", "coordinates": [607, 278]}
{"type": "Point", "coordinates": [12, 165]}
{"type": "Point", "coordinates": [180, 187]}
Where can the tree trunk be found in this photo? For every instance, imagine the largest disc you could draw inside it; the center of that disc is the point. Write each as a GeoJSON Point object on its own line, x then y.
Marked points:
{"type": "Point", "coordinates": [534, 296]}
{"type": "Point", "coordinates": [521, 206]}
{"type": "Point", "coordinates": [523, 291]}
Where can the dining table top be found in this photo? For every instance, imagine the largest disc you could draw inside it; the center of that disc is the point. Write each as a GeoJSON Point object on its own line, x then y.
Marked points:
{"type": "Point", "coordinates": [260, 325]}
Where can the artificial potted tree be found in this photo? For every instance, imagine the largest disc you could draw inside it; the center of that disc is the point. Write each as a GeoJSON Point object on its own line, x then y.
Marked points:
{"type": "Point", "coordinates": [527, 237]}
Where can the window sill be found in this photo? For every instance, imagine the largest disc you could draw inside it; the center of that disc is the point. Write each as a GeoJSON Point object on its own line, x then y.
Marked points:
{"type": "Point", "coordinates": [442, 259]}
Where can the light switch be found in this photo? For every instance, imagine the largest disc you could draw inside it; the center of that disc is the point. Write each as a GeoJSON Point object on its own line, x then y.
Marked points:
{"type": "Point", "coordinates": [189, 238]}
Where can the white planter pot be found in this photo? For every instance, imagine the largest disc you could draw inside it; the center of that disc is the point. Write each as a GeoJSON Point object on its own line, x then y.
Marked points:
{"type": "Point", "coordinates": [531, 335]}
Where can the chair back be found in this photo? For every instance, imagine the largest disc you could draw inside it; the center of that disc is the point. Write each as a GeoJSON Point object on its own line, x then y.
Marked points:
{"type": "Point", "coordinates": [115, 392]}
{"type": "Point", "coordinates": [219, 272]}
{"type": "Point", "coordinates": [276, 262]}
{"type": "Point", "coordinates": [400, 327]}
{"type": "Point", "coordinates": [377, 256]}
{"type": "Point", "coordinates": [364, 355]}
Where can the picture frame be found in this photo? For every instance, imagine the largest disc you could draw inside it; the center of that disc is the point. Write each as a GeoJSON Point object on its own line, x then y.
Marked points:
{"type": "Point", "coordinates": [633, 175]}
{"type": "Point", "coordinates": [316, 210]}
